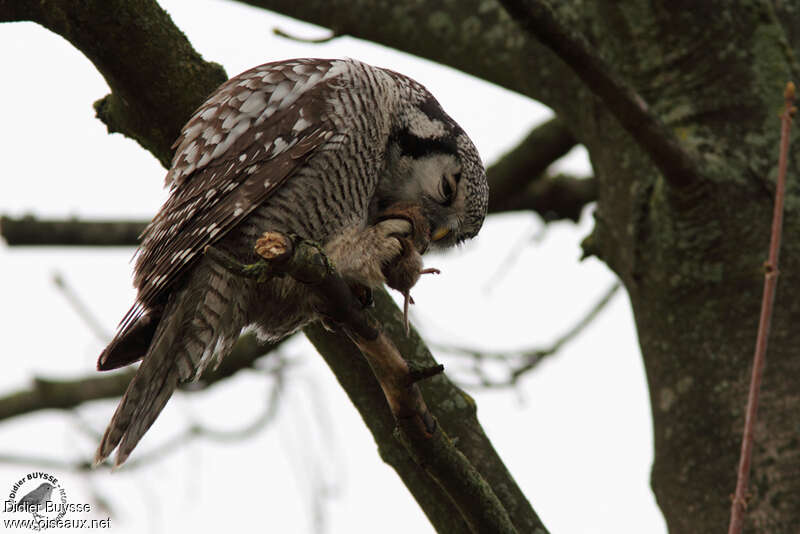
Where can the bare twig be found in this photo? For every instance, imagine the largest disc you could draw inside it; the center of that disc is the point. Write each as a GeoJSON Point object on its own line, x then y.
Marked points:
{"type": "Point", "coordinates": [520, 362]}
{"type": "Point", "coordinates": [679, 166]}
{"type": "Point", "coordinates": [533, 235]}
{"type": "Point", "coordinates": [45, 393]}
{"type": "Point", "coordinates": [770, 282]}
{"type": "Point", "coordinates": [30, 230]}
{"type": "Point", "coordinates": [81, 308]}
{"type": "Point", "coordinates": [175, 443]}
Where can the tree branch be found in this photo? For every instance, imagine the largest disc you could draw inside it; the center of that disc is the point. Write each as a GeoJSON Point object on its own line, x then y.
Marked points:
{"type": "Point", "coordinates": [418, 430]}
{"type": "Point", "coordinates": [474, 36]}
{"type": "Point", "coordinates": [157, 79]}
{"type": "Point", "coordinates": [518, 181]}
{"type": "Point", "coordinates": [455, 412]}
{"type": "Point", "coordinates": [526, 162]}
{"type": "Point", "coordinates": [679, 166]}
{"type": "Point", "coordinates": [522, 361]}
{"type": "Point", "coordinates": [29, 230]}
{"type": "Point", "coordinates": [45, 394]}
{"type": "Point", "coordinates": [553, 198]}
{"type": "Point", "coordinates": [173, 444]}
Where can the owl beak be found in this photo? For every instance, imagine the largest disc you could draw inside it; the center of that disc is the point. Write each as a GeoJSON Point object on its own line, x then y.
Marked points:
{"type": "Point", "coordinates": [440, 233]}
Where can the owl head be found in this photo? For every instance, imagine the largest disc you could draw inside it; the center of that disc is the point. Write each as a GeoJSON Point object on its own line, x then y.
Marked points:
{"type": "Point", "coordinates": [431, 161]}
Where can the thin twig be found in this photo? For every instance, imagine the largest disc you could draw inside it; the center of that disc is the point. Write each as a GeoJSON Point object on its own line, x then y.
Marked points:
{"type": "Point", "coordinates": [770, 282]}
{"type": "Point", "coordinates": [46, 394]}
{"type": "Point", "coordinates": [173, 444]}
{"type": "Point", "coordinates": [533, 235]}
{"type": "Point", "coordinates": [81, 308]}
{"type": "Point", "coordinates": [679, 166]}
{"type": "Point", "coordinates": [521, 361]}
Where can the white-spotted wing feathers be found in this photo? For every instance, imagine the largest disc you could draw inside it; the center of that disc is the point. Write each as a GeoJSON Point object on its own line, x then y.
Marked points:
{"type": "Point", "coordinates": [237, 148]}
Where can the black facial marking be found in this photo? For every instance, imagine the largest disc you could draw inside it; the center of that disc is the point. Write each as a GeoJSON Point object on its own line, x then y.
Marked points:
{"type": "Point", "coordinates": [419, 147]}
{"type": "Point", "coordinates": [434, 111]}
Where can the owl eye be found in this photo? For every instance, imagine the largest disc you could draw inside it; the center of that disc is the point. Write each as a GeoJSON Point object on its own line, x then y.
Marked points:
{"type": "Point", "coordinates": [446, 191]}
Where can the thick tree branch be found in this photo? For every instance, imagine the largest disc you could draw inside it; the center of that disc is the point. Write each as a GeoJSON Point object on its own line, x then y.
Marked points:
{"type": "Point", "coordinates": [455, 412]}
{"type": "Point", "coordinates": [526, 162]}
{"type": "Point", "coordinates": [474, 36]}
{"type": "Point", "coordinates": [679, 166]}
{"type": "Point", "coordinates": [518, 181]}
{"type": "Point", "coordinates": [45, 394]}
{"type": "Point", "coordinates": [156, 78]}
{"type": "Point", "coordinates": [553, 197]}
{"type": "Point", "coordinates": [418, 430]}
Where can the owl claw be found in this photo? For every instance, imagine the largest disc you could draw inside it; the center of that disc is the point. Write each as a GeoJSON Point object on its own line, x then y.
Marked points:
{"type": "Point", "coordinates": [363, 294]}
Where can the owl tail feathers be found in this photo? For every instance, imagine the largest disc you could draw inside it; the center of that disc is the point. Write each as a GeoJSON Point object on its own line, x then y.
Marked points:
{"type": "Point", "coordinates": [136, 412]}
{"type": "Point", "coordinates": [197, 326]}
{"type": "Point", "coordinates": [130, 344]}
{"type": "Point", "coordinates": [147, 394]}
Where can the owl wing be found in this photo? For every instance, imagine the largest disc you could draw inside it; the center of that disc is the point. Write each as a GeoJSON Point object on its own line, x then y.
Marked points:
{"type": "Point", "coordinates": [245, 141]}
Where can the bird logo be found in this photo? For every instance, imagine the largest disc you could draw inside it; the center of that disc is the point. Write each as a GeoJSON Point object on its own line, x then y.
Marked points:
{"type": "Point", "coordinates": [47, 502]}
{"type": "Point", "coordinates": [36, 500]}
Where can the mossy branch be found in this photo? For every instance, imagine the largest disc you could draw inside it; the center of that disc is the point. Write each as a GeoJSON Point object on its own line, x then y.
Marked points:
{"type": "Point", "coordinates": [680, 166]}
{"type": "Point", "coordinates": [156, 78]}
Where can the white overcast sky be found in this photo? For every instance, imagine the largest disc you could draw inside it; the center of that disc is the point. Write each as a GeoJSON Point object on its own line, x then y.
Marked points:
{"type": "Point", "coordinates": [575, 433]}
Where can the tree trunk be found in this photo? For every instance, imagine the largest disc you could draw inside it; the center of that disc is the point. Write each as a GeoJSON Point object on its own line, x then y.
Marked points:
{"type": "Point", "coordinates": [691, 258]}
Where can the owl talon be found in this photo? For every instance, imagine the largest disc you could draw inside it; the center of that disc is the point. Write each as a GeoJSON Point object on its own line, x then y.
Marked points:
{"type": "Point", "coordinates": [364, 295]}
{"type": "Point", "coordinates": [328, 324]}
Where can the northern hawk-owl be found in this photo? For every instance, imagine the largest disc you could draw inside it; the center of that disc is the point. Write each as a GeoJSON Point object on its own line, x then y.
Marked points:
{"type": "Point", "coordinates": [318, 148]}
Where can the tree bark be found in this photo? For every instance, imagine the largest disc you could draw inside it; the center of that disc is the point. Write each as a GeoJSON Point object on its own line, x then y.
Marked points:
{"type": "Point", "coordinates": [453, 408]}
